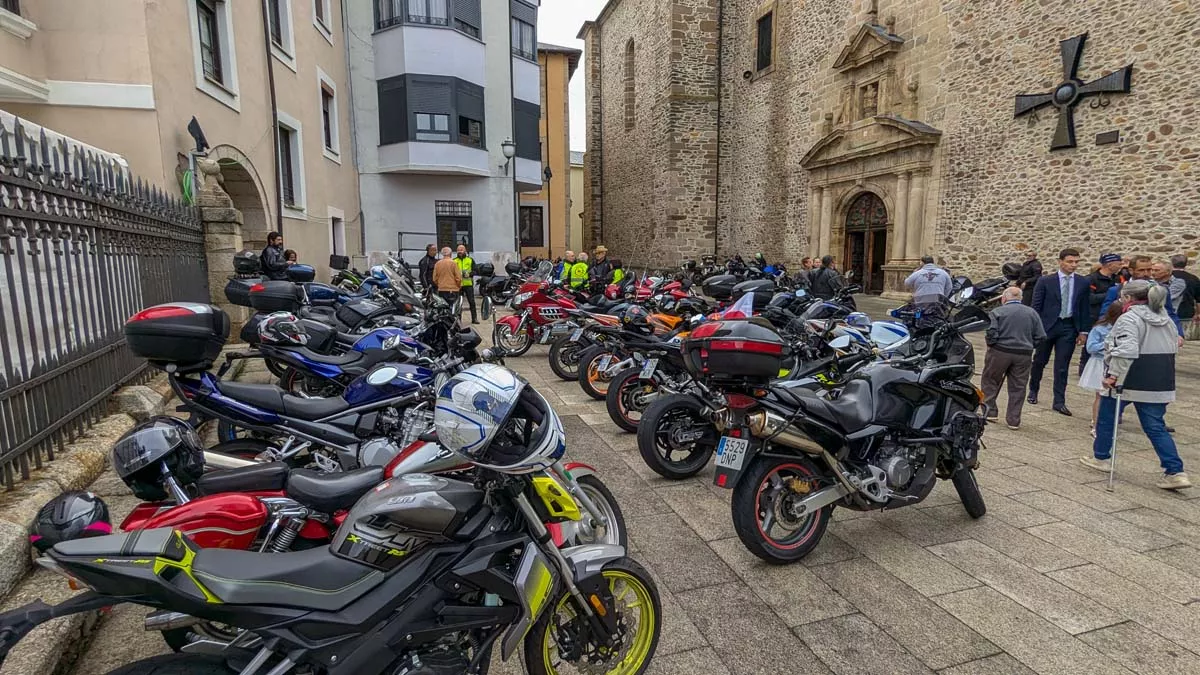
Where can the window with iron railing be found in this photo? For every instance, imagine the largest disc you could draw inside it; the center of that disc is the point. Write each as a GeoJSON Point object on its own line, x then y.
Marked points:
{"type": "Point", "coordinates": [428, 12]}
{"type": "Point", "coordinates": [523, 42]}
{"type": "Point", "coordinates": [13, 6]}
{"type": "Point", "coordinates": [210, 40]}
{"type": "Point", "coordinates": [276, 21]}
{"type": "Point", "coordinates": [287, 167]}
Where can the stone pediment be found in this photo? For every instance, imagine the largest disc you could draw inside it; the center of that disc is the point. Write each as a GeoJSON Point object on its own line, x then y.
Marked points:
{"type": "Point", "coordinates": [876, 135]}
{"type": "Point", "coordinates": [871, 43]}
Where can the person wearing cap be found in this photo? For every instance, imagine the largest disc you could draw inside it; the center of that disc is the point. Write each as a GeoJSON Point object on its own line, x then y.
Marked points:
{"type": "Point", "coordinates": [601, 267]}
{"type": "Point", "coordinates": [1031, 271]}
{"type": "Point", "coordinates": [1099, 281]}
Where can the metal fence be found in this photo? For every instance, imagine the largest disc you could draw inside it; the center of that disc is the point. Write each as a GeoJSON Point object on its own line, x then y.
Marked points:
{"type": "Point", "coordinates": [83, 245]}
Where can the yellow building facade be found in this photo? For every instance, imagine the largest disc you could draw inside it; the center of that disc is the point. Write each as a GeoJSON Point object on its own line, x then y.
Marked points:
{"type": "Point", "coordinates": [544, 218]}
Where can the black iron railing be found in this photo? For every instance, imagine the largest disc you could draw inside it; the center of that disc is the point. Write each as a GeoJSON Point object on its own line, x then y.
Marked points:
{"type": "Point", "coordinates": [427, 12]}
{"type": "Point", "coordinates": [83, 246]}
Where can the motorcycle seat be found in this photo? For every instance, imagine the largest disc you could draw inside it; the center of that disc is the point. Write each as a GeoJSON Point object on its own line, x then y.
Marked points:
{"type": "Point", "coordinates": [332, 492]}
{"type": "Point", "coordinates": [264, 477]}
{"type": "Point", "coordinates": [315, 579]}
{"type": "Point", "coordinates": [159, 541]}
{"type": "Point", "coordinates": [851, 411]}
{"type": "Point", "coordinates": [271, 397]}
{"type": "Point", "coordinates": [339, 360]}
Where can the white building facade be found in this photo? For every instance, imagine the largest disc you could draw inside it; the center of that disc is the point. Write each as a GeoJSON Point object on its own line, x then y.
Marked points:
{"type": "Point", "coordinates": [442, 92]}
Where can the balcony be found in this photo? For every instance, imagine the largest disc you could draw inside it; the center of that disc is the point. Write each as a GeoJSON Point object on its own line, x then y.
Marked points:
{"type": "Point", "coordinates": [447, 159]}
{"type": "Point", "coordinates": [529, 174]}
{"type": "Point", "coordinates": [413, 48]}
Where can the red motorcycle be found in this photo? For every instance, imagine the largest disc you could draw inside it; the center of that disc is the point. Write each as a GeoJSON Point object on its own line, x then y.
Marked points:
{"type": "Point", "coordinates": [540, 317]}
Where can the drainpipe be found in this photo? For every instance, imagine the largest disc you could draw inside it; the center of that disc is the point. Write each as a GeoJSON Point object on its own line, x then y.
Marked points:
{"type": "Point", "coordinates": [362, 217]}
{"type": "Point", "coordinates": [274, 118]}
{"type": "Point", "coordinates": [512, 126]}
{"type": "Point", "coordinates": [720, 88]}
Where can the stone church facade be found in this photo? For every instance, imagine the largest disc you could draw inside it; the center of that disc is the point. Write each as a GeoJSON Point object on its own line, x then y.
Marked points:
{"type": "Point", "coordinates": [882, 130]}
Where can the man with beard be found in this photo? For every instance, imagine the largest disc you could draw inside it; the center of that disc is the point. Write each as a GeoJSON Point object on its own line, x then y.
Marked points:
{"type": "Point", "coordinates": [1099, 282]}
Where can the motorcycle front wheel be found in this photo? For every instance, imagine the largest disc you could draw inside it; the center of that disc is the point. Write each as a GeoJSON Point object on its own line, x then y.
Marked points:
{"type": "Point", "coordinates": [575, 534]}
{"type": "Point", "coordinates": [968, 492]}
{"type": "Point", "coordinates": [485, 308]}
{"type": "Point", "coordinates": [564, 356]}
{"type": "Point", "coordinates": [561, 640]}
{"type": "Point", "coordinates": [592, 380]}
{"type": "Point", "coordinates": [629, 396]}
{"type": "Point", "coordinates": [674, 438]}
{"type": "Point", "coordinates": [762, 509]}
{"type": "Point", "coordinates": [513, 345]}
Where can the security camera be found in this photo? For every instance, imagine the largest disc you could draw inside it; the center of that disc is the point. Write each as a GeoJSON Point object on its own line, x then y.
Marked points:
{"type": "Point", "coordinates": [747, 75]}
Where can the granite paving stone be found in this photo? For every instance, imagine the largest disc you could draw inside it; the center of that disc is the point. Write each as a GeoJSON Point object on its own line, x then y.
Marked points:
{"type": "Point", "coordinates": [1101, 501]}
{"type": "Point", "coordinates": [1070, 611]}
{"type": "Point", "coordinates": [905, 559]}
{"type": "Point", "coordinates": [926, 630]}
{"type": "Point", "coordinates": [704, 511]}
{"type": "Point", "coordinates": [1013, 512]}
{"type": "Point", "coordinates": [683, 561]}
{"type": "Point", "coordinates": [1000, 664]}
{"type": "Point", "coordinates": [796, 594]}
{"type": "Point", "coordinates": [703, 660]}
{"type": "Point", "coordinates": [1011, 541]}
{"type": "Point", "coordinates": [1109, 525]}
{"type": "Point", "coordinates": [852, 645]}
{"type": "Point", "coordinates": [1027, 637]}
{"type": "Point", "coordinates": [1180, 556]}
{"type": "Point", "coordinates": [1141, 650]}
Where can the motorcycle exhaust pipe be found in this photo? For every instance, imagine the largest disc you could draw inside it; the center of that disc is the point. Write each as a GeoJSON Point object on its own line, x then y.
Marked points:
{"type": "Point", "coordinates": [766, 424]}
{"type": "Point", "coordinates": [217, 460]}
{"type": "Point", "coordinates": [164, 620]}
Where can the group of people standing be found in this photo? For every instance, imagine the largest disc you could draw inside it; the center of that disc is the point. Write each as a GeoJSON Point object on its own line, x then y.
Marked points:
{"type": "Point", "coordinates": [575, 272]}
{"type": "Point", "coordinates": [453, 275]}
{"type": "Point", "coordinates": [1129, 315]}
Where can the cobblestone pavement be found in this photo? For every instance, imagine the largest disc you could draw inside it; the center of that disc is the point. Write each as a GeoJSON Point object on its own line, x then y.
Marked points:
{"type": "Point", "coordinates": [1060, 576]}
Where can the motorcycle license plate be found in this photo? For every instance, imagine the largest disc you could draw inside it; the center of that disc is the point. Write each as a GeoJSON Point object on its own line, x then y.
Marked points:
{"type": "Point", "coordinates": [731, 453]}
{"type": "Point", "coordinates": [648, 369]}
{"type": "Point", "coordinates": [605, 362]}
{"type": "Point", "coordinates": [575, 335]}
{"type": "Point", "coordinates": [559, 328]}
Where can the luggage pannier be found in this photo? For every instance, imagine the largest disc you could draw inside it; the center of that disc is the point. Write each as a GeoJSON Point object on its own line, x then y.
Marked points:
{"type": "Point", "coordinates": [237, 290]}
{"type": "Point", "coordinates": [485, 270]}
{"type": "Point", "coordinates": [275, 296]}
{"type": "Point", "coordinates": [300, 273]}
{"type": "Point", "coordinates": [247, 262]}
{"type": "Point", "coordinates": [720, 287]}
{"type": "Point", "coordinates": [187, 335]}
{"type": "Point", "coordinates": [512, 268]}
{"type": "Point", "coordinates": [747, 350]}
{"type": "Point", "coordinates": [763, 290]}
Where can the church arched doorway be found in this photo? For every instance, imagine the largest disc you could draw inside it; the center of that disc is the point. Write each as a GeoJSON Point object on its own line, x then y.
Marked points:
{"type": "Point", "coordinates": [866, 241]}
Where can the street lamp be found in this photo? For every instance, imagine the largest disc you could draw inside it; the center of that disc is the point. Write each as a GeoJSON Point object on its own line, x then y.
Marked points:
{"type": "Point", "coordinates": [510, 150]}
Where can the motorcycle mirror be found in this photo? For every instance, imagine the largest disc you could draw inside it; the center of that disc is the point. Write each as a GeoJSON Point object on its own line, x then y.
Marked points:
{"type": "Point", "coordinates": [849, 275]}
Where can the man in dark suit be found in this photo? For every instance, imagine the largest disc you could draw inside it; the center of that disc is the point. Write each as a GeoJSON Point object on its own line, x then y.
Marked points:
{"type": "Point", "coordinates": [1061, 299]}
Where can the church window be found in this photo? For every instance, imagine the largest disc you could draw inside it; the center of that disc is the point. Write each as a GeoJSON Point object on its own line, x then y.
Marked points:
{"type": "Point", "coordinates": [765, 42]}
{"type": "Point", "coordinates": [629, 86]}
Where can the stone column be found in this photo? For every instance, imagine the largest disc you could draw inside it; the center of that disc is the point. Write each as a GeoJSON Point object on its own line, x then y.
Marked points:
{"type": "Point", "coordinates": [900, 230]}
{"type": "Point", "coordinates": [916, 216]}
{"type": "Point", "coordinates": [815, 198]}
{"type": "Point", "coordinates": [826, 220]}
{"type": "Point", "coordinates": [222, 239]}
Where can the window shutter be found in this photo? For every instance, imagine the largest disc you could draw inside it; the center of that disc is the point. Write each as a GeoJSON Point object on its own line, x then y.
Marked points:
{"type": "Point", "coordinates": [393, 111]}
{"type": "Point", "coordinates": [467, 11]}
{"type": "Point", "coordinates": [470, 100]}
{"type": "Point", "coordinates": [526, 116]}
{"type": "Point", "coordinates": [430, 95]}
{"type": "Point", "coordinates": [524, 12]}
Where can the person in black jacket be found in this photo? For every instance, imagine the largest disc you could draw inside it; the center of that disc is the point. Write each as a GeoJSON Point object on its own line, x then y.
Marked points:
{"type": "Point", "coordinates": [425, 267]}
{"type": "Point", "coordinates": [1099, 282]}
{"type": "Point", "coordinates": [826, 281]}
{"type": "Point", "coordinates": [274, 265]}
{"type": "Point", "coordinates": [1031, 271]}
{"type": "Point", "coordinates": [1191, 295]}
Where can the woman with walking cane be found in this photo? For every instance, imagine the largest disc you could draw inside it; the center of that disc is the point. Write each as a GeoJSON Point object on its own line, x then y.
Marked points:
{"type": "Point", "coordinates": [1139, 362]}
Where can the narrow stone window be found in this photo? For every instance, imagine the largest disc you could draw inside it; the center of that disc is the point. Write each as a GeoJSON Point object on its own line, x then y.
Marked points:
{"type": "Point", "coordinates": [630, 97]}
{"type": "Point", "coordinates": [765, 47]}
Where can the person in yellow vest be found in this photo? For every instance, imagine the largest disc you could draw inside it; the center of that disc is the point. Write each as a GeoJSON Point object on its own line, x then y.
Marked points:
{"type": "Point", "coordinates": [568, 261]}
{"type": "Point", "coordinates": [466, 267]}
{"type": "Point", "coordinates": [618, 271]}
{"type": "Point", "coordinates": [579, 273]}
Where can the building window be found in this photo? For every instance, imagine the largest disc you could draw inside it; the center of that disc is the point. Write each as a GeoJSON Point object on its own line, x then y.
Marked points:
{"type": "Point", "coordinates": [433, 127]}
{"type": "Point", "coordinates": [523, 42]}
{"type": "Point", "coordinates": [630, 92]}
{"type": "Point", "coordinates": [327, 90]}
{"type": "Point", "coordinates": [276, 21]}
{"type": "Point", "coordinates": [291, 166]}
{"type": "Point", "coordinates": [321, 12]}
{"type": "Point", "coordinates": [765, 51]}
{"type": "Point", "coordinates": [470, 132]}
{"type": "Point", "coordinates": [428, 12]}
{"type": "Point", "coordinates": [337, 235]}
{"type": "Point", "coordinates": [526, 129]}
{"type": "Point", "coordinates": [464, 27]}
{"type": "Point", "coordinates": [532, 229]}
{"type": "Point", "coordinates": [13, 6]}
{"type": "Point", "coordinates": [393, 110]}
{"type": "Point", "coordinates": [453, 219]}
{"type": "Point", "coordinates": [210, 41]}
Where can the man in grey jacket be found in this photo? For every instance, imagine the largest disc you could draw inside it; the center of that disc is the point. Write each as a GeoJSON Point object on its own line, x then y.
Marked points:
{"type": "Point", "coordinates": [1014, 334]}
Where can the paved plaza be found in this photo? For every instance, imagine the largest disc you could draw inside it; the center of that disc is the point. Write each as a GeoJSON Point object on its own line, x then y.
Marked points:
{"type": "Point", "coordinates": [1060, 576]}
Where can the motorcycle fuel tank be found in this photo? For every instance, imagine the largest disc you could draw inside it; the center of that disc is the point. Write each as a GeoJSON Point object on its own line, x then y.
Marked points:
{"type": "Point", "coordinates": [401, 515]}
{"type": "Point", "coordinates": [228, 520]}
{"type": "Point", "coordinates": [387, 380]}
{"type": "Point", "coordinates": [376, 339]}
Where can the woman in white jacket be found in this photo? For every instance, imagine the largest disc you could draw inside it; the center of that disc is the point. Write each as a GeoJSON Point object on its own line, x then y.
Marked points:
{"type": "Point", "coordinates": [1139, 361]}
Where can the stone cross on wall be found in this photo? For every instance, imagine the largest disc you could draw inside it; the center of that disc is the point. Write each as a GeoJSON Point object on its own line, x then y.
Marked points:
{"type": "Point", "coordinates": [1068, 94]}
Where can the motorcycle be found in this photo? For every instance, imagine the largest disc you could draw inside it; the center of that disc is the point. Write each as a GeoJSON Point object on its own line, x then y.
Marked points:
{"type": "Point", "coordinates": [878, 440]}
{"type": "Point", "coordinates": [542, 316]}
{"type": "Point", "coordinates": [425, 574]}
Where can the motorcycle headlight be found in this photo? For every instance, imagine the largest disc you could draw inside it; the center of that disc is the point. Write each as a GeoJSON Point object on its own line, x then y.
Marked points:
{"type": "Point", "coordinates": [521, 299]}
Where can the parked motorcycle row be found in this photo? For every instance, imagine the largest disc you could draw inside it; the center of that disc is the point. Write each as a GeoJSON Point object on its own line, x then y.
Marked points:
{"type": "Point", "coordinates": [399, 502]}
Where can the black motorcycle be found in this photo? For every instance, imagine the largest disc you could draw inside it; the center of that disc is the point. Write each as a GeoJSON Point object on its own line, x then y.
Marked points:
{"type": "Point", "coordinates": [880, 440]}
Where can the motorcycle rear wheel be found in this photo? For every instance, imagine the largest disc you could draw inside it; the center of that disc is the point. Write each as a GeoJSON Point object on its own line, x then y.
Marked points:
{"type": "Point", "coordinates": [760, 501]}
{"type": "Point", "coordinates": [513, 345]}
{"type": "Point", "coordinates": [635, 599]}
{"type": "Point", "coordinates": [968, 491]}
{"type": "Point", "coordinates": [659, 437]}
{"type": "Point", "coordinates": [628, 398]}
{"type": "Point", "coordinates": [564, 357]}
{"type": "Point", "coordinates": [593, 382]}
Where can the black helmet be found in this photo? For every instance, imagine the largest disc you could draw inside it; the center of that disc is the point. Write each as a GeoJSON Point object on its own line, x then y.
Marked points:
{"type": "Point", "coordinates": [138, 456]}
{"type": "Point", "coordinates": [637, 319]}
{"type": "Point", "coordinates": [282, 328]}
{"type": "Point", "coordinates": [68, 516]}
{"type": "Point", "coordinates": [1011, 270]}
{"type": "Point", "coordinates": [689, 265]}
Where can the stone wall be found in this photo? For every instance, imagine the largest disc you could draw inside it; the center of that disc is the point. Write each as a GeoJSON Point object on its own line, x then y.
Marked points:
{"type": "Point", "coordinates": [990, 185]}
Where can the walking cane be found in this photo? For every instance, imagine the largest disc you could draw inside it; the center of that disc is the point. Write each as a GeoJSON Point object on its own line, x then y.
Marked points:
{"type": "Point", "coordinates": [1112, 454]}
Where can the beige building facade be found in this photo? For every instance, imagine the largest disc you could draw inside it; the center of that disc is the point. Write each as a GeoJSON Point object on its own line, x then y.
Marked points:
{"type": "Point", "coordinates": [578, 201]}
{"type": "Point", "coordinates": [881, 131]}
{"type": "Point", "coordinates": [266, 81]}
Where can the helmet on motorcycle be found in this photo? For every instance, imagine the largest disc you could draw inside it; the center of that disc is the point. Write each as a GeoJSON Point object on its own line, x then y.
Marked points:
{"type": "Point", "coordinates": [769, 269]}
{"type": "Point", "coordinates": [282, 328]}
{"type": "Point", "coordinates": [688, 265]}
{"type": "Point", "coordinates": [71, 515]}
{"type": "Point", "coordinates": [637, 319]}
{"type": "Point", "coordinates": [859, 320]}
{"type": "Point", "coordinates": [138, 456]}
{"type": "Point", "coordinates": [379, 274]}
{"type": "Point", "coordinates": [491, 416]}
